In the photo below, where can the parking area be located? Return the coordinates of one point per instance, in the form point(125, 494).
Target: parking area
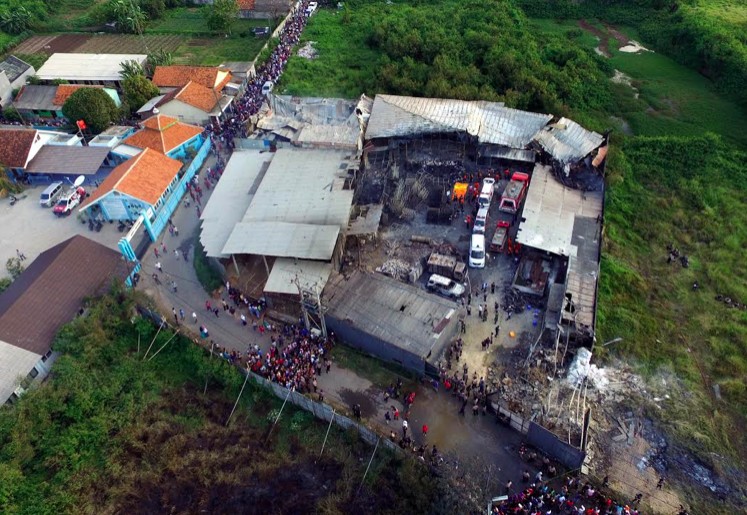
point(32, 229)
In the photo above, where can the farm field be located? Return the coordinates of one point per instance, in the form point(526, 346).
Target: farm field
point(185, 49)
point(181, 31)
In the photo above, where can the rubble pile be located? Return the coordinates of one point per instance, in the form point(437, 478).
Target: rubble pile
point(395, 268)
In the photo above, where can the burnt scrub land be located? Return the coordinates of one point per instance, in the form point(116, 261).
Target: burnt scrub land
point(112, 432)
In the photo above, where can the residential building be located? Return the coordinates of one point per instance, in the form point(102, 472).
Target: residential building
point(164, 134)
point(19, 146)
point(47, 295)
point(66, 163)
point(168, 78)
point(46, 101)
point(88, 69)
point(194, 103)
point(13, 75)
point(138, 184)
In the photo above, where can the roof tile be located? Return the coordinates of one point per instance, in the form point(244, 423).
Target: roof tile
point(145, 177)
point(198, 96)
point(15, 145)
point(51, 290)
point(65, 90)
point(176, 76)
point(163, 133)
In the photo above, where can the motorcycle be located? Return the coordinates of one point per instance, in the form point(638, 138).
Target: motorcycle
point(13, 200)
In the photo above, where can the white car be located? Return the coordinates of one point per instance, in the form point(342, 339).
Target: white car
point(311, 8)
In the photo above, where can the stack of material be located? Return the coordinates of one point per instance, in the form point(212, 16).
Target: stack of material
point(399, 269)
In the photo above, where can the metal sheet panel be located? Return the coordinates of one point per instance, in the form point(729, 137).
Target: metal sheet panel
point(281, 239)
point(285, 272)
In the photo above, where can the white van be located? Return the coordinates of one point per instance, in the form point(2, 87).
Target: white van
point(481, 220)
point(445, 286)
point(50, 194)
point(477, 251)
point(267, 87)
point(486, 193)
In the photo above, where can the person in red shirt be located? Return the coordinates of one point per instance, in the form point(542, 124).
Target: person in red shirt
point(425, 429)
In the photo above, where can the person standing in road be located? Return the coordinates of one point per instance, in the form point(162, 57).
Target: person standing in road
point(404, 429)
point(181, 313)
point(194, 317)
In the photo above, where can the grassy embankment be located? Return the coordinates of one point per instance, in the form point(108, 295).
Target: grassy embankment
point(680, 178)
point(112, 432)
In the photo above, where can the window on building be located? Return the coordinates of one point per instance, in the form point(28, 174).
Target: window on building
point(34, 372)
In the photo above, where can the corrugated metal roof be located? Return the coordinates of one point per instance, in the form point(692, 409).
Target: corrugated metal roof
point(513, 154)
point(403, 315)
point(490, 122)
point(303, 187)
point(36, 97)
point(550, 210)
point(231, 197)
point(13, 67)
point(286, 271)
point(15, 365)
point(105, 67)
point(282, 239)
point(68, 160)
point(583, 271)
point(567, 141)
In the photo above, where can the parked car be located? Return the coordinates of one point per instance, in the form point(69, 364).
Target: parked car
point(311, 8)
point(445, 286)
point(68, 201)
point(50, 194)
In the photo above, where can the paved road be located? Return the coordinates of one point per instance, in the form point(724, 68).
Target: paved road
point(470, 437)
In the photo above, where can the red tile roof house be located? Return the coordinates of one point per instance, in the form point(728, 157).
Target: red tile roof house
point(47, 295)
point(193, 94)
point(140, 183)
point(164, 134)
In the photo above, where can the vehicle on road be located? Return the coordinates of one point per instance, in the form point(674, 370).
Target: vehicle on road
point(498, 243)
point(447, 266)
point(68, 201)
point(486, 193)
point(311, 8)
point(514, 193)
point(481, 220)
point(477, 251)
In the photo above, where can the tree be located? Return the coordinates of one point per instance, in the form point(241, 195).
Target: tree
point(14, 267)
point(158, 58)
point(138, 90)
point(128, 15)
point(94, 106)
point(222, 14)
point(130, 69)
point(15, 20)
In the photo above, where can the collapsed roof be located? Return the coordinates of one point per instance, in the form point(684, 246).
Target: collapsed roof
point(489, 122)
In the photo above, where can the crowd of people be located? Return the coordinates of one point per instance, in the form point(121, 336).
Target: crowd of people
point(295, 359)
point(250, 102)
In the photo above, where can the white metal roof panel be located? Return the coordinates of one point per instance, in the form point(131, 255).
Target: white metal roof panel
point(281, 239)
point(303, 186)
point(286, 271)
point(567, 141)
point(550, 210)
point(231, 197)
point(15, 365)
point(104, 67)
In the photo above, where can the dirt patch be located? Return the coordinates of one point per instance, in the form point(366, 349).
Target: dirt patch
point(368, 407)
point(621, 38)
point(602, 37)
point(49, 45)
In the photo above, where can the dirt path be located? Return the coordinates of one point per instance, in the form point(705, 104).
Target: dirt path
point(603, 37)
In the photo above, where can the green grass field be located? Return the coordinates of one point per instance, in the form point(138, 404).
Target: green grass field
point(191, 20)
point(345, 61)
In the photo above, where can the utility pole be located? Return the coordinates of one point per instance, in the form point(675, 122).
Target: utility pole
point(311, 307)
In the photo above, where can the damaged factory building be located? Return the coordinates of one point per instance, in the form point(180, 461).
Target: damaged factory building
point(386, 221)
